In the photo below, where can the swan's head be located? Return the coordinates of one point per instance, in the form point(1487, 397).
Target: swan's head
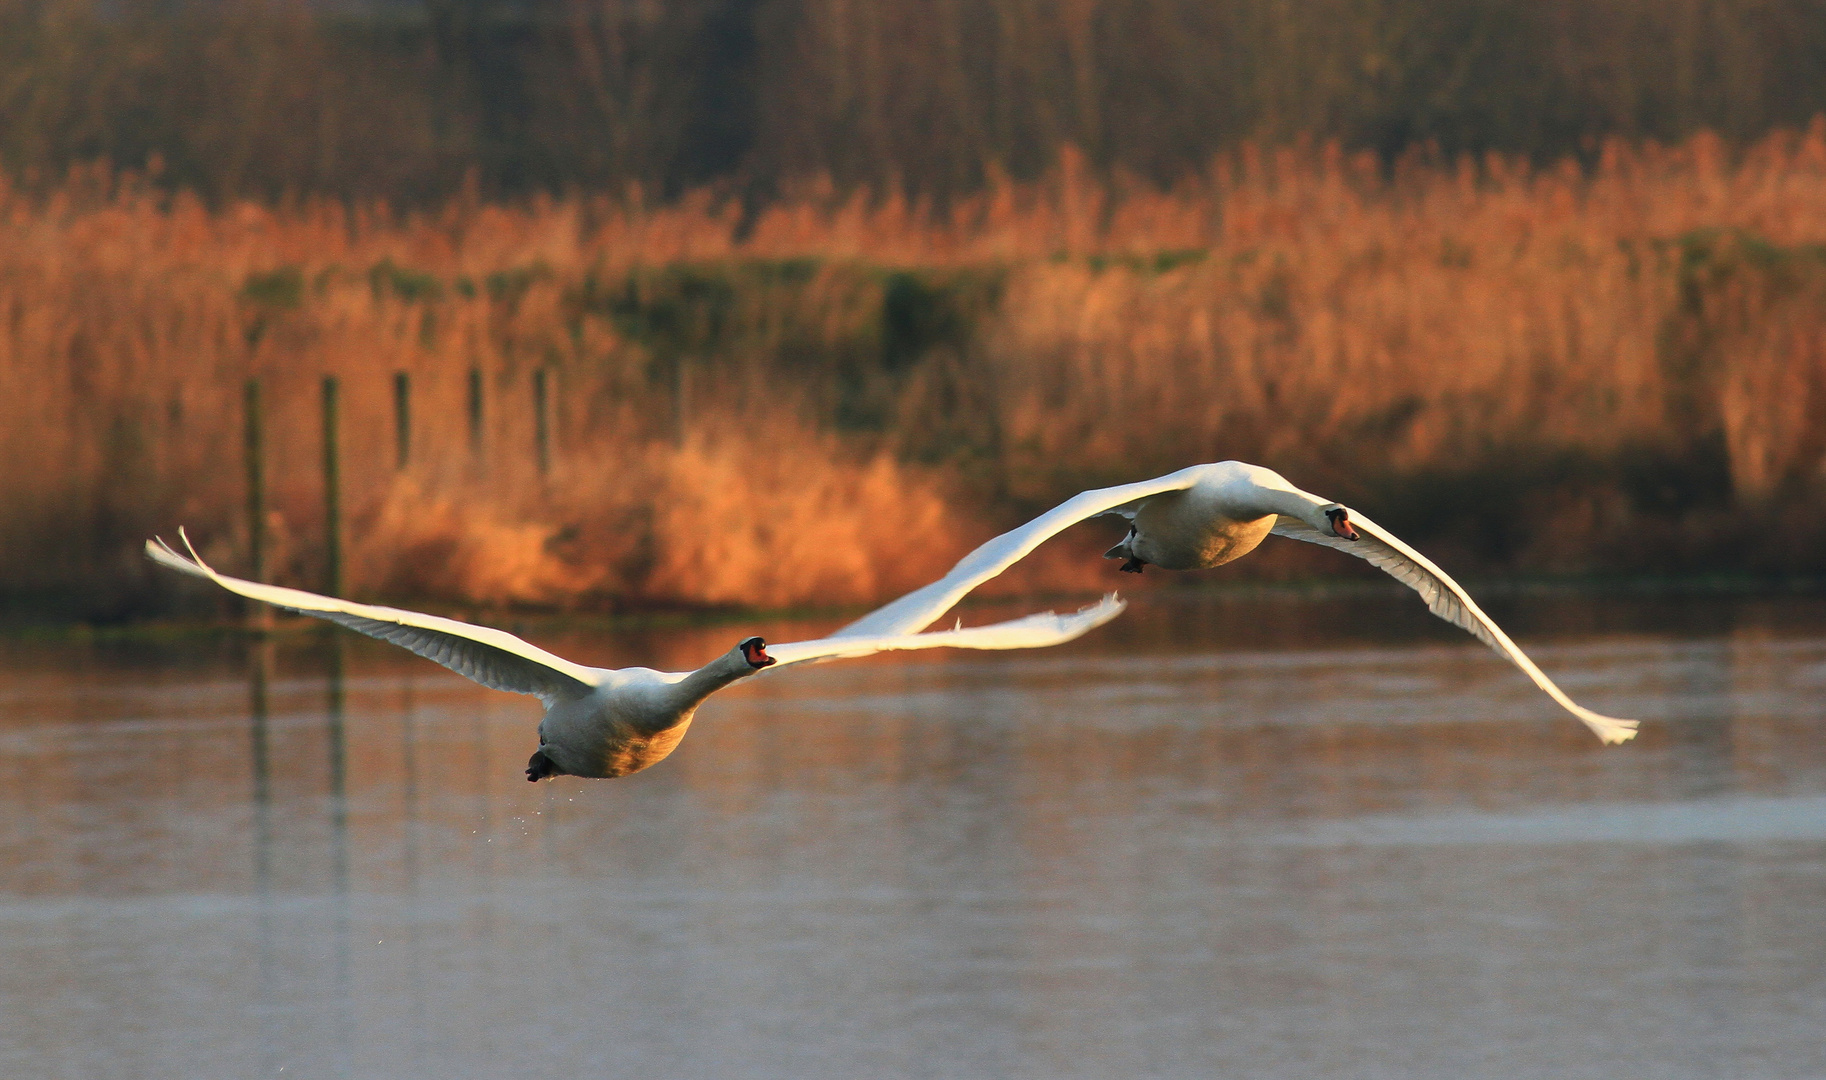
point(754, 650)
point(1339, 518)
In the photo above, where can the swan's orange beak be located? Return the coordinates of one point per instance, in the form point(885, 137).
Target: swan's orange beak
point(1340, 523)
point(754, 650)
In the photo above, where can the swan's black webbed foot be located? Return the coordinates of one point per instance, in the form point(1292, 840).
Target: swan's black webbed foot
point(1133, 566)
point(540, 767)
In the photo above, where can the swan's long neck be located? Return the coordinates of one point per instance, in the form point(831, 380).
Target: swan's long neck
point(689, 692)
point(1284, 498)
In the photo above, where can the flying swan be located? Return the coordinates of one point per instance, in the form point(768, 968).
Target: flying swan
point(603, 722)
point(1207, 515)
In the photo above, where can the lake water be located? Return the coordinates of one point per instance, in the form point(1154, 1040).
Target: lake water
point(1236, 836)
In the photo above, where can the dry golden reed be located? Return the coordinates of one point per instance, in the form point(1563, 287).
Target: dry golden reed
point(738, 412)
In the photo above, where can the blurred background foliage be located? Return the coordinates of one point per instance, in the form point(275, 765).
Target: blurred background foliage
point(778, 302)
point(268, 98)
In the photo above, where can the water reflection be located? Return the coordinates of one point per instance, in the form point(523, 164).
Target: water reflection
point(1214, 840)
point(259, 679)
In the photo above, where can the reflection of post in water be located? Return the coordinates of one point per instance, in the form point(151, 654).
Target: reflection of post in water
point(415, 970)
point(1714, 920)
point(484, 852)
point(338, 752)
point(339, 846)
point(259, 679)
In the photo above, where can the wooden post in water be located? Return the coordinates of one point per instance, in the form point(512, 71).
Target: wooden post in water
point(259, 616)
point(402, 419)
point(332, 490)
point(681, 391)
point(475, 414)
point(542, 421)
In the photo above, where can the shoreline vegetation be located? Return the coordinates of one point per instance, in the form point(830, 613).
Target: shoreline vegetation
point(411, 99)
point(611, 404)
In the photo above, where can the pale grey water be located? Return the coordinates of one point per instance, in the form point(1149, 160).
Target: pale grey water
point(1223, 837)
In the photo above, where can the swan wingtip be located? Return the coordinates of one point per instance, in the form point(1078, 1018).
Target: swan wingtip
point(1614, 732)
point(1103, 610)
point(190, 547)
point(161, 552)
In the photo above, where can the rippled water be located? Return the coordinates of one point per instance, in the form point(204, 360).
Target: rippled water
point(1241, 837)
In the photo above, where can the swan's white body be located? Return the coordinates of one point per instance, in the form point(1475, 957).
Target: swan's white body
point(605, 722)
point(1207, 515)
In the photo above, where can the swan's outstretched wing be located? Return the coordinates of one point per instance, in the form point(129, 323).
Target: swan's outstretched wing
point(494, 658)
point(921, 607)
point(1448, 600)
point(1032, 632)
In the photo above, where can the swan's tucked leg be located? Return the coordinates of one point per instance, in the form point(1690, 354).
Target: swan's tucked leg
point(1123, 551)
point(540, 767)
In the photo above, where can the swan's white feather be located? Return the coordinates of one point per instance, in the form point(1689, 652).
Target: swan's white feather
point(501, 661)
point(605, 723)
point(922, 607)
point(1444, 597)
point(1032, 632)
point(494, 658)
point(1448, 600)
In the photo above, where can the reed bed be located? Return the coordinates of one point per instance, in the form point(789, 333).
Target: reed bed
point(1613, 368)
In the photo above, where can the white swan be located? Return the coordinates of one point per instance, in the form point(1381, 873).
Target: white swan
point(604, 722)
point(1207, 515)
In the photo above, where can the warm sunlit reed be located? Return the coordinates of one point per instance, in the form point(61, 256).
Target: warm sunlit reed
point(826, 401)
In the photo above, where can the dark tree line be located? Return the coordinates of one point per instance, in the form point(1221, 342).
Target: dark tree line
point(403, 100)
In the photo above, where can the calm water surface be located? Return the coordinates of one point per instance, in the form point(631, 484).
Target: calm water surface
point(1222, 837)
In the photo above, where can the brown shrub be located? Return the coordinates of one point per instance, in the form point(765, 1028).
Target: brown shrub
point(828, 402)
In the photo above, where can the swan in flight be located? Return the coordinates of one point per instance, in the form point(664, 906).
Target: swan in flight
point(1207, 515)
point(602, 722)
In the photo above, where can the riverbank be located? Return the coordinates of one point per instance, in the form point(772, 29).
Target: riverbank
point(604, 405)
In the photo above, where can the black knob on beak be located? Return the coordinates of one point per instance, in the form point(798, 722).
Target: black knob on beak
point(754, 650)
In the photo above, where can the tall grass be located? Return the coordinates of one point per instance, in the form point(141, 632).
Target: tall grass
point(826, 400)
